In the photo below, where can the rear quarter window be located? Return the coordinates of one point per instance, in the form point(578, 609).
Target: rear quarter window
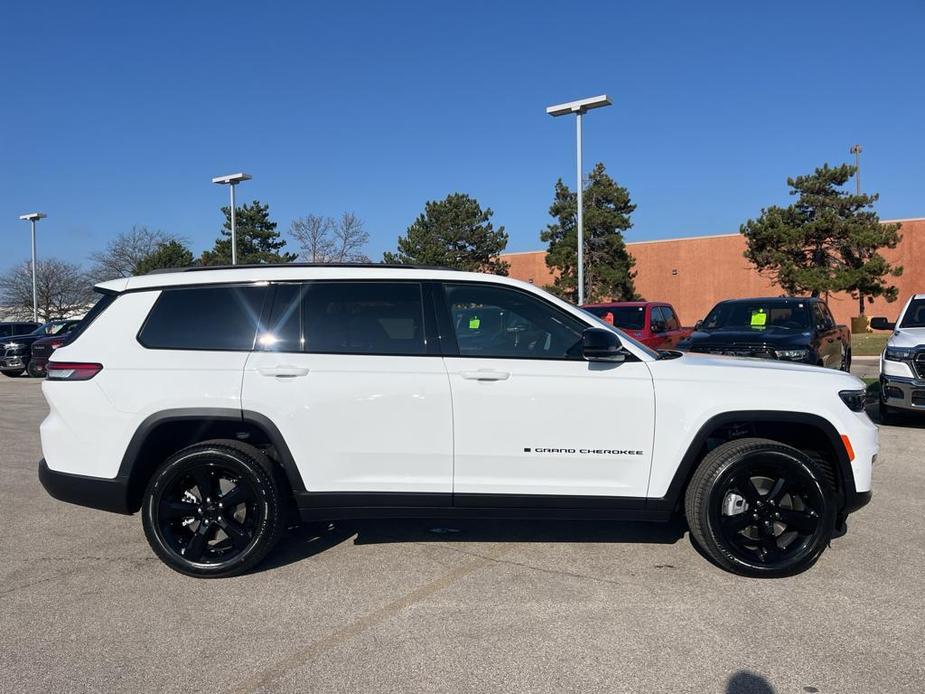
point(221, 318)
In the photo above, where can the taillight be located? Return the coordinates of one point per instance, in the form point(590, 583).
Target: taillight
point(56, 343)
point(71, 371)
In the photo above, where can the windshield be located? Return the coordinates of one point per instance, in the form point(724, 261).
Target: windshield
point(51, 328)
point(915, 315)
point(623, 336)
point(626, 317)
point(758, 316)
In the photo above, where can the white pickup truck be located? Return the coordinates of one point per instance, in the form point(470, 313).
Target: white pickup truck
point(902, 364)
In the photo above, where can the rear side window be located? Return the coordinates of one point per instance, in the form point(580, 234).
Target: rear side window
point(205, 318)
point(363, 318)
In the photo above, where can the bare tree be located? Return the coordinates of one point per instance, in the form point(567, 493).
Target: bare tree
point(63, 289)
point(328, 240)
point(125, 251)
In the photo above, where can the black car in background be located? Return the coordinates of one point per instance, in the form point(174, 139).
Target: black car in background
point(799, 329)
point(16, 350)
point(10, 328)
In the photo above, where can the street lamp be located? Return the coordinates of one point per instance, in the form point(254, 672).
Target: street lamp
point(856, 151)
point(33, 217)
point(231, 180)
point(578, 108)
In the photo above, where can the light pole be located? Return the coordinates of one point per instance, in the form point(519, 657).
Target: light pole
point(33, 217)
point(231, 180)
point(578, 108)
point(856, 151)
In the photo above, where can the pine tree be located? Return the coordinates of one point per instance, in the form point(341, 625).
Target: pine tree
point(608, 264)
point(257, 237)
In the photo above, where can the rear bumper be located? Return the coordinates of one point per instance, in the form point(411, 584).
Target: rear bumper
point(95, 492)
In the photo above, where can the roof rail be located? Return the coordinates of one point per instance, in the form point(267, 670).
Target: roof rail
point(268, 266)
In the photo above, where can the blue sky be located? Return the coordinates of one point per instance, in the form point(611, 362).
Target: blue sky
point(120, 113)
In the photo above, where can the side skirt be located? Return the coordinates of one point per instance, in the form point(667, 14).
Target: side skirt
point(316, 506)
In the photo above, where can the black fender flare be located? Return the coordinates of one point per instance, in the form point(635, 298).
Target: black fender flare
point(689, 462)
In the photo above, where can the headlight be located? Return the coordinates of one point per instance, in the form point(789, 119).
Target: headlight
point(898, 353)
point(792, 354)
point(854, 399)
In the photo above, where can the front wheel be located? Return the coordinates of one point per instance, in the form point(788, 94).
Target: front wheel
point(213, 510)
point(760, 508)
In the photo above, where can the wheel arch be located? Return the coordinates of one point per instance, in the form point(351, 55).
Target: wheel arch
point(804, 430)
point(163, 433)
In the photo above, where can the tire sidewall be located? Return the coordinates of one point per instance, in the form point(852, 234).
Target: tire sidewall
point(218, 456)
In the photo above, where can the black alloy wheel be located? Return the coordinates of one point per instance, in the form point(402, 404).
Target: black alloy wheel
point(761, 508)
point(213, 509)
point(35, 371)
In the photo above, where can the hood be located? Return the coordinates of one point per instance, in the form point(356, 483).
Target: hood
point(735, 366)
point(775, 336)
point(908, 337)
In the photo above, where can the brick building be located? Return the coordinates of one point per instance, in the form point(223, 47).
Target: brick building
point(694, 273)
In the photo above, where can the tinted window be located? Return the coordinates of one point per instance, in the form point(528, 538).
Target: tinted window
point(758, 315)
point(283, 329)
point(915, 315)
point(5, 331)
point(626, 317)
point(671, 318)
point(492, 321)
point(660, 316)
point(214, 318)
point(363, 318)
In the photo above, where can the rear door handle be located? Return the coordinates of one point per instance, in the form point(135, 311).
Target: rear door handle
point(283, 371)
point(485, 375)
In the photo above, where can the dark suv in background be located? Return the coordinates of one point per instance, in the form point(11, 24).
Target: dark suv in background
point(16, 350)
point(8, 329)
point(786, 328)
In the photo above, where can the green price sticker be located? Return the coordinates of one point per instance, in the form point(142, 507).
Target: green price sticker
point(474, 323)
point(759, 319)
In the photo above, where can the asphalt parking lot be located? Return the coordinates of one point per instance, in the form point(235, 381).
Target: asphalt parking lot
point(460, 607)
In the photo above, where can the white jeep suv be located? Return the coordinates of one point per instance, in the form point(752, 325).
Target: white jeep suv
point(216, 401)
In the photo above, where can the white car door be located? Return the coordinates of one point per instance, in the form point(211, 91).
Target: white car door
point(358, 390)
point(531, 417)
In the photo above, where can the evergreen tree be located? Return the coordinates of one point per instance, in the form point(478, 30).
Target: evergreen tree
point(608, 264)
point(172, 254)
point(828, 240)
point(258, 239)
point(456, 233)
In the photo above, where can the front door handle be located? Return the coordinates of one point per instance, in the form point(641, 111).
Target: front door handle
point(283, 371)
point(485, 375)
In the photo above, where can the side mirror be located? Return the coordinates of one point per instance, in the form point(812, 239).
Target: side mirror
point(881, 323)
point(658, 326)
point(598, 344)
point(698, 325)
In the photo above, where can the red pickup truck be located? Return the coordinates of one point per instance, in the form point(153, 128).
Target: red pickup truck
point(653, 323)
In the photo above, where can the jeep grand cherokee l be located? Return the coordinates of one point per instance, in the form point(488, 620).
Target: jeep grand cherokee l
point(216, 401)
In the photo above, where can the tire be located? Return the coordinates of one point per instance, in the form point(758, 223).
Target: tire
point(13, 374)
point(887, 414)
point(186, 514)
point(34, 371)
point(782, 508)
point(846, 361)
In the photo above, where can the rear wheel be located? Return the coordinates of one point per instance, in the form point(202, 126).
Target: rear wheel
point(213, 510)
point(760, 508)
point(35, 371)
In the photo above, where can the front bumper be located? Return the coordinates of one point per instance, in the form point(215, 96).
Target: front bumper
point(14, 363)
point(95, 492)
point(902, 392)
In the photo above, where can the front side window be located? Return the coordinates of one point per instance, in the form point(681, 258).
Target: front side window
point(671, 318)
point(625, 317)
point(493, 321)
point(205, 318)
point(363, 318)
point(915, 315)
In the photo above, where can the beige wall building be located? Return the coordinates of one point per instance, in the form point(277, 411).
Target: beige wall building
point(694, 273)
